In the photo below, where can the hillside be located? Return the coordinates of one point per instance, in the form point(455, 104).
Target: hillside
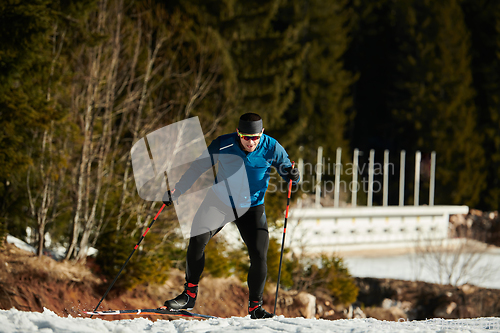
point(31, 284)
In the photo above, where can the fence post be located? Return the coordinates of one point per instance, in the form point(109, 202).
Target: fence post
point(433, 179)
point(354, 189)
point(370, 177)
point(418, 158)
point(338, 170)
point(386, 178)
point(319, 170)
point(402, 179)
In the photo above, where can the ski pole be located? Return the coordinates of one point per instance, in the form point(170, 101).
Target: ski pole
point(130, 256)
point(283, 241)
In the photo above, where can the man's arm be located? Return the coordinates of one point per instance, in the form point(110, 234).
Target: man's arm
point(282, 163)
point(207, 160)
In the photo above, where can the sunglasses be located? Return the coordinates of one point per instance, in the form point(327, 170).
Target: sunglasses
point(250, 137)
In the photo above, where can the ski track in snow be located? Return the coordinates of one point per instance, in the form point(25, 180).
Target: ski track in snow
point(15, 321)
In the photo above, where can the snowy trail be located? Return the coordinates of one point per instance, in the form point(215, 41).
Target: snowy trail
point(14, 321)
point(408, 267)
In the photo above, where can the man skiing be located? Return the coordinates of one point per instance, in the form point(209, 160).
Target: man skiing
point(257, 152)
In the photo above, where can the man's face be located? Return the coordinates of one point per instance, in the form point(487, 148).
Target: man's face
point(250, 141)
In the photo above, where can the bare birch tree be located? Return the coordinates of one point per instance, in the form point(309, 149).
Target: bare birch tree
point(42, 188)
point(454, 261)
point(138, 77)
point(90, 94)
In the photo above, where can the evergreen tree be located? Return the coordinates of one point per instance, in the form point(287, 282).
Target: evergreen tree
point(483, 21)
point(24, 60)
point(3, 232)
point(150, 263)
point(372, 55)
point(262, 38)
point(437, 80)
point(323, 101)
point(331, 276)
point(416, 91)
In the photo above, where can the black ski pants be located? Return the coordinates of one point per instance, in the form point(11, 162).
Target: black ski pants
point(252, 226)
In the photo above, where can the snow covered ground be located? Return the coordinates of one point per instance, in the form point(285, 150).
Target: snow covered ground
point(20, 244)
point(47, 322)
point(405, 267)
point(482, 270)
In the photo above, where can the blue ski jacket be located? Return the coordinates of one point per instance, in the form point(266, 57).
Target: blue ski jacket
point(226, 153)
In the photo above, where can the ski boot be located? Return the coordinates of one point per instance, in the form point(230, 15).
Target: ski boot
point(257, 312)
point(185, 301)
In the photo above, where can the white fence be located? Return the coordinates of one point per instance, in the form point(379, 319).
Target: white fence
point(318, 230)
point(355, 169)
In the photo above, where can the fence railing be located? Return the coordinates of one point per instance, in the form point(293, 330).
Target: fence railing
point(324, 229)
point(355, 169)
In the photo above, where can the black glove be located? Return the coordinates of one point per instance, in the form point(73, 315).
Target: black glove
point(292, 173)
point(169, 197)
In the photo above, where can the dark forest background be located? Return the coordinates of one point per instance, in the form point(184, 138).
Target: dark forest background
point(82, 81)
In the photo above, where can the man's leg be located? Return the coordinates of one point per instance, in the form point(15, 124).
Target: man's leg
point(253, 229)
point(195, 258)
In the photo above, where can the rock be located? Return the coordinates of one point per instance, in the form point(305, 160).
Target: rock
point(354, 312)
point(308, 303)
point(478, 225)
point(349, 312)
point(358, 313)
point(319, 311)
point(445, 310)
point(468, 289)
point(396, 308)
point(406, 306)
point(420, 300)
point(476, 212)
point(286, 300)
point(391, 314)
point(398, 313)
point(388, 303)
point(458, 219)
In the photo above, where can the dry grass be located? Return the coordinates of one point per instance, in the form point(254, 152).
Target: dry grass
point(19, 263)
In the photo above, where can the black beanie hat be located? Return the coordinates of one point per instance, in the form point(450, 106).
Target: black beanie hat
point(250, 123)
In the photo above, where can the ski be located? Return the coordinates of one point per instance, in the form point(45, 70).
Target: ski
point(178, 313)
